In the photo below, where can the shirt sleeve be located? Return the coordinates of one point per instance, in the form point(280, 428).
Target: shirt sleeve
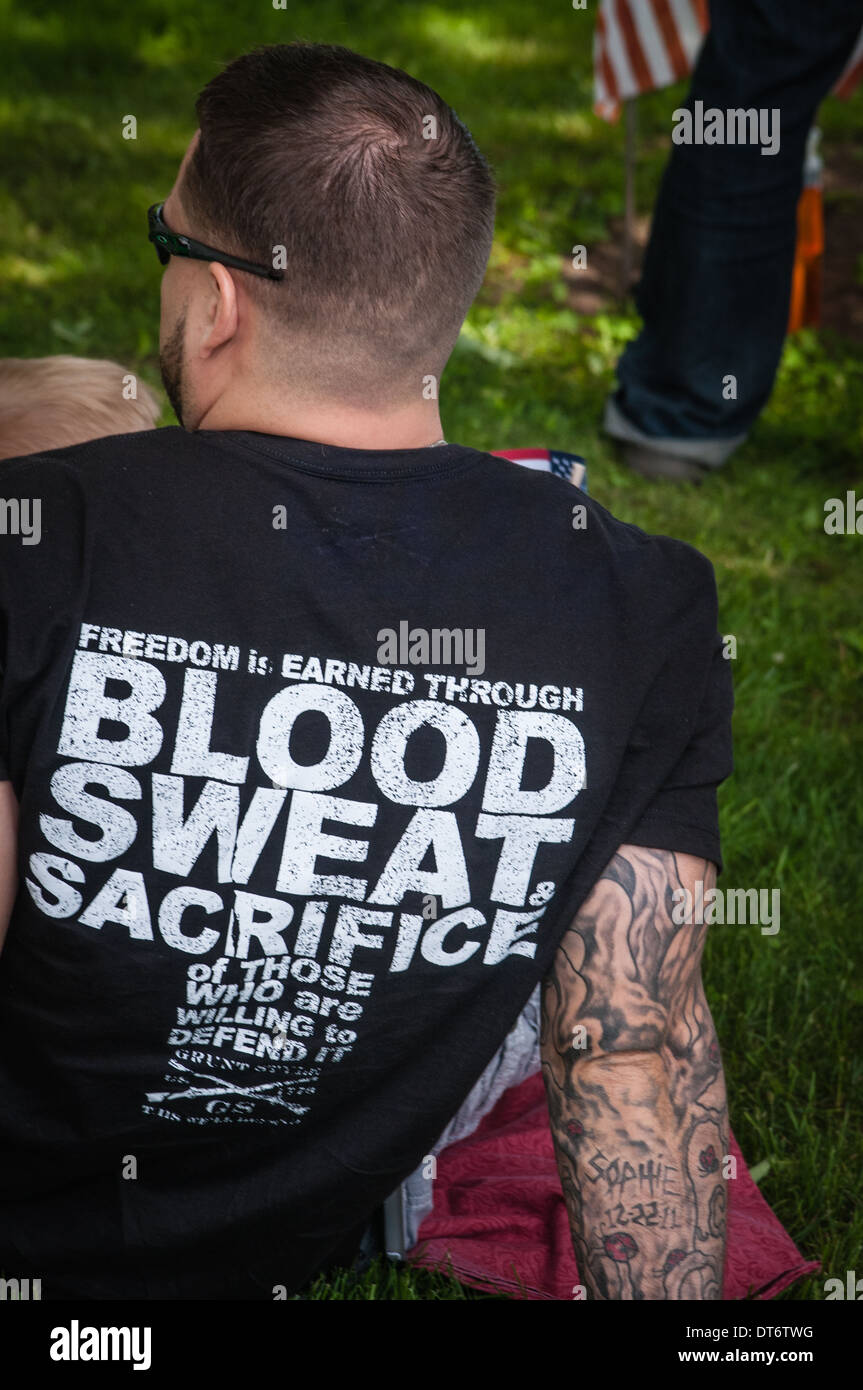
point(683, 815)
point(678, 744)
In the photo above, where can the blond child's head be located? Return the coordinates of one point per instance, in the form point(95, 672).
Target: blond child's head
point(53, 402)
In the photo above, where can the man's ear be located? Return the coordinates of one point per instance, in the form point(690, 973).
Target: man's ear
point(222, 314)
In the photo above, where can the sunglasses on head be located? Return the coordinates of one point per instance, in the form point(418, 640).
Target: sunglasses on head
point(168, 244)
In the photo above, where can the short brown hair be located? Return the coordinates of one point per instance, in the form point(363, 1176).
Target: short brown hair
point(375, 188)
point(54, 402)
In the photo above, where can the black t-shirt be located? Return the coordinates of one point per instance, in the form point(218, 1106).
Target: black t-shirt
point(318, 751)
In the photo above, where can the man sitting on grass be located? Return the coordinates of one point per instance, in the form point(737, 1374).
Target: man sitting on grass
point(332, 741)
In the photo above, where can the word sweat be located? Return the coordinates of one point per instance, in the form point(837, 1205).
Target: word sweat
point(294, 946)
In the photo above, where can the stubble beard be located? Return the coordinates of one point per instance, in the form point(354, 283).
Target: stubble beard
point(171, 367)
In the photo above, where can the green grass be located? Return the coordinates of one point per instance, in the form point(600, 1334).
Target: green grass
point(78, 275)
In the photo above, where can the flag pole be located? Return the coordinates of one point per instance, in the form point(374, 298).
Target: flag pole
point(629, 197)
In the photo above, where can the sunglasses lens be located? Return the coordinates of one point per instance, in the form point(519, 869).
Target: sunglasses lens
point(164, 256)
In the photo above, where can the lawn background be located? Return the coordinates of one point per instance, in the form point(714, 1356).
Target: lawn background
point(77, 275)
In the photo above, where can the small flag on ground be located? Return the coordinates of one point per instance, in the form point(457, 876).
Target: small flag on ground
point(572, 467)
point(641, 45)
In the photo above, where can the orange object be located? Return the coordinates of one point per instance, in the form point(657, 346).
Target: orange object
point(808, 256)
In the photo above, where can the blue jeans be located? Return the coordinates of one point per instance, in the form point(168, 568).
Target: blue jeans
point(715, 288)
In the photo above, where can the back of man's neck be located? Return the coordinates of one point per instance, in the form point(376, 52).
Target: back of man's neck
point(412, 427)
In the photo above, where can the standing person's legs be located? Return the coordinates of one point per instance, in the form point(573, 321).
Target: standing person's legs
point(715, 288)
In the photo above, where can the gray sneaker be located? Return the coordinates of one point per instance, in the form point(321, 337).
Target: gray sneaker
point(651, 463)
point(680, 460)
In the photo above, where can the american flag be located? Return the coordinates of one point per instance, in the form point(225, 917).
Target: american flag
point(639, 45)
point(852, 73)
point(572, 467)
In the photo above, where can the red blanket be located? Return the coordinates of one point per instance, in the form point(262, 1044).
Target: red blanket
point(499, 1221)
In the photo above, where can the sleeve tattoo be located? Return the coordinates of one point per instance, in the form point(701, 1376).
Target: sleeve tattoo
point(635, 1087)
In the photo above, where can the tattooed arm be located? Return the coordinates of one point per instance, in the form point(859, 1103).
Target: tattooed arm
point(636, 1092)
